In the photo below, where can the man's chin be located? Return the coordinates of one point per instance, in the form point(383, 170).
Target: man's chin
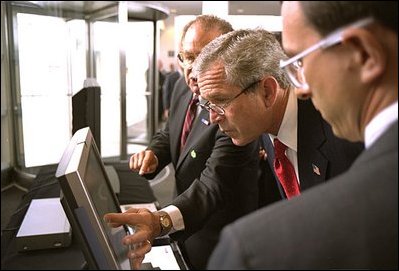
point(234, 137)
point(347, 134)
point(238, 142)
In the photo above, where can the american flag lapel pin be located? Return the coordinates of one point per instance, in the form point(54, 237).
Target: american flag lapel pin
point(204, 121)
point(316, 169)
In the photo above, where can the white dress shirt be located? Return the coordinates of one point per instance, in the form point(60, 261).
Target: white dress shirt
point(380, 123)
point(287, 133)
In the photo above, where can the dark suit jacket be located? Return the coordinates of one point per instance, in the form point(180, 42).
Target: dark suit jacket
point(167, 88)
point(348, 222)
point(216, 181)
point(321, 155)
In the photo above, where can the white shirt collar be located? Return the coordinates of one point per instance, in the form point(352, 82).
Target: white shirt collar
point(380, 123)
point(287, 133)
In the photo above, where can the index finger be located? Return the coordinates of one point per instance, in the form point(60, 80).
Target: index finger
point(135, 161)
point(124, 218)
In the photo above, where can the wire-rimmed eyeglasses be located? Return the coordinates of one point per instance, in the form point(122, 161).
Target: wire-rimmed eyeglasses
point(220, 109)
point(186, 61)
point(294, 65)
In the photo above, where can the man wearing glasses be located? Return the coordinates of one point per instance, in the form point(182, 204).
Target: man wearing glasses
point(248, 103)
point(344, 57)
point(216, 181)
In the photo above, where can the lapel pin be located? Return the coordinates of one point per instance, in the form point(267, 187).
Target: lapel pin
point(193, 154)
point(204, 121)
point(262, 154)
point(316, 169)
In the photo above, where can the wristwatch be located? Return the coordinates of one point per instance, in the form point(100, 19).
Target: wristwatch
point(165, 222)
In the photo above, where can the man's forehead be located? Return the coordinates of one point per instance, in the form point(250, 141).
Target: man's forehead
point(214, 73)
point(212, 80)
point(295, 29)
point(196, 37)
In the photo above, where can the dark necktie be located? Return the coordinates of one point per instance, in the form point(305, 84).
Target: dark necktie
point(285, 170)
point(188, 121)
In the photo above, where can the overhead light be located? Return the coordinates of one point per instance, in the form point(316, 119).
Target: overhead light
point(240, 10)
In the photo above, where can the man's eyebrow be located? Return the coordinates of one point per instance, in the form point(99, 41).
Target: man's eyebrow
point(216, 97)
point(210, 93)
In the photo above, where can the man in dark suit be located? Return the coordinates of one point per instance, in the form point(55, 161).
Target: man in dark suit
point(216, 181)
point(320, 155)
point(351, 221)
point(167, 90)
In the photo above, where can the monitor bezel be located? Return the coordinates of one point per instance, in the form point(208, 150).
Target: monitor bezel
point(79, 205)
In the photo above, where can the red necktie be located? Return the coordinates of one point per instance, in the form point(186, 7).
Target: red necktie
point(188, 121)
point(284, 170)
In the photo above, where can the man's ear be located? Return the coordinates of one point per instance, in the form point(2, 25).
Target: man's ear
point(369, 53)
point(269, 90)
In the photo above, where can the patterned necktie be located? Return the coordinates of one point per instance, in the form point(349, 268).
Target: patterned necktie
point(188, 121)
point(284, 170)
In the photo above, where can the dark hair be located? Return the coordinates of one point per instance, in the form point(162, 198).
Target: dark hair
point(208, 22)
point(327, 16)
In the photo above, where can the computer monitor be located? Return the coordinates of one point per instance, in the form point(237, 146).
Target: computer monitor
point(86, 111)
point(86, 196)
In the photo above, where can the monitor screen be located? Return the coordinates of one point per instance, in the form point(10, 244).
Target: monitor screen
point(86, 196)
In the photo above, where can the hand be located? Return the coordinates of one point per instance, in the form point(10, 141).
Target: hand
point(144, 162)
point(147, 227)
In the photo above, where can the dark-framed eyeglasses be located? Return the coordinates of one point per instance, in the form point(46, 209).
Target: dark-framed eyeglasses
point(294, 65)
point(220, 109)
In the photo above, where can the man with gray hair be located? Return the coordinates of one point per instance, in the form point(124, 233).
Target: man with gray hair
point(248, 96)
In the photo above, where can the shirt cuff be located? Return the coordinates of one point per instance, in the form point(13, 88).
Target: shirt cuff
point(175, 216)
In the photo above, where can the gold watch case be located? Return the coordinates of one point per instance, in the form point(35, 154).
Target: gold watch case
point(165, 222)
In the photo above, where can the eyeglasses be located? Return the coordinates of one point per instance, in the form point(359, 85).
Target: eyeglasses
point(220, 109)
point(294, 66)
point(186, 61)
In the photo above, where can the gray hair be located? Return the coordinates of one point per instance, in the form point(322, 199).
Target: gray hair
point(247, 56)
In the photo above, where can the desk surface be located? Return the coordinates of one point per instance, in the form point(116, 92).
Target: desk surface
point(134, 189)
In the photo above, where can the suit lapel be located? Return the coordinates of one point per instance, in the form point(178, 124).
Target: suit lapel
point(176, 125)
point(200, 125)
point(312, 163)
